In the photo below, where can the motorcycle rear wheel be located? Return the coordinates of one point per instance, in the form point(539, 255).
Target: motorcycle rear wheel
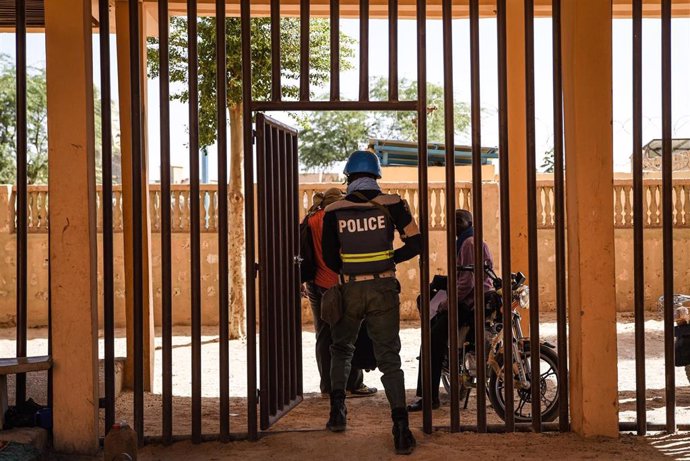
point(549, 390)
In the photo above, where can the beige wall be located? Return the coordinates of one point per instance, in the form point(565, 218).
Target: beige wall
point(407, 272)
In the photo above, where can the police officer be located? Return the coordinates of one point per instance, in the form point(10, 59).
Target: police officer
point(357, 243)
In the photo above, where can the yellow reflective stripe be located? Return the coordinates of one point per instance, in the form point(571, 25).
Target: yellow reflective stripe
point(366, 257)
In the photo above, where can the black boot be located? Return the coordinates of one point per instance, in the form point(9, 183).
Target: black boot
point(402, 437)
point(338, 418)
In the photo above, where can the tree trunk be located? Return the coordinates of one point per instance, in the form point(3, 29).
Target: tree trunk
point(236, 263)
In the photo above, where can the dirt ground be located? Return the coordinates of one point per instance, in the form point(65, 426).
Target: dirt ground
point(301, 434)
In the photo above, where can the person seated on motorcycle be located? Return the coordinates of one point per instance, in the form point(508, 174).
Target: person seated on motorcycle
point(464, 245)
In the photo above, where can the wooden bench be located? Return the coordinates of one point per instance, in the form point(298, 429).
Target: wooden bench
point(14, 366)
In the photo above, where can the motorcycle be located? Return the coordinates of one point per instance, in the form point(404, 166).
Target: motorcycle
point(681, 317)
point(494, 349)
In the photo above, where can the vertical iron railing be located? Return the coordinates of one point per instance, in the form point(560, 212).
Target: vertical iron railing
point(363, 50)
point(304, 50)
point(480, 349)
point(195, 223)
point(559, 197)
point(335, 50)
point(451, 250)
point(532, 216)
point(107, 199)
point(423, 180)
point(393, 50)
point(137, 224)
point(251, 266)
point(22, 208)
point(223, 289)
point(638, 221)
point(166, 222)
point(504, 184)
point(667, 213)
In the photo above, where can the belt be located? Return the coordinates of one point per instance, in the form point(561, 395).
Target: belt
point(363, 277)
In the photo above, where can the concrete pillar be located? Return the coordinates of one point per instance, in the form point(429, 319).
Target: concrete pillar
point(588, 113)
point(72, 189)
point(123, 78)
point(517, 141)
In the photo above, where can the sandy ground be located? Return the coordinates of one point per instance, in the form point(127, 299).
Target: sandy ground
point(368, 436)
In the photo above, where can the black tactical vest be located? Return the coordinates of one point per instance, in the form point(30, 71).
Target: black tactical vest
point(366, 235)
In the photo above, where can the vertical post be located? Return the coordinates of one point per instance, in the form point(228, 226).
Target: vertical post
point(22, 209)
point(423, 213)
point(588, 107)
point(638, 222)
point(478, 218)
point(363, 50)
point(451, 249)
point(503, 151)
point(125, 41)
point(166, 221)
point(304, 50)
point(194, 209)
point(533, 250)
point(275, 51)
point(137, 221)
point(517, 108)
point(667, 213)
point(223, 299)
point(559, 192)
point(335, 50)
point(250, 261)
point(393, 50)
point(107, 181)
point(73, 251)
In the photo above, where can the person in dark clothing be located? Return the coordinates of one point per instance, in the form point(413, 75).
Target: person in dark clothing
point(324, 279)
point(464, 245)
point(357, 242)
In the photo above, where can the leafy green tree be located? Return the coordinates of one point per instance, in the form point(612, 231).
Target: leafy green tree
point(37, 127)
point(403, 125)
point(319, 59)
point(329, 137)
point(548, 164)
point(37, 130)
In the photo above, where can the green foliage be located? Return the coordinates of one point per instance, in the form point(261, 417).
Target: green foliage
point(402, 126)
point(37, 130)
point(329, 137)
point(319, 60)
point(548, 165)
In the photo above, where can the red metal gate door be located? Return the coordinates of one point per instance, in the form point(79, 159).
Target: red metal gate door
point(280, 323)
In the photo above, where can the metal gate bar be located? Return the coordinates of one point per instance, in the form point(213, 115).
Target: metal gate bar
point(559, 197)
point(107, 200)
point(451, 250)
point(22, 205)
point(667, 213)
point(532, 216)
point(335, 51)
point(250, 256)
point(392, 50)
point(504, 192)
point(638, 222)
point(304, 50)
point(223, 299)
point(478, 218)
point(422, 182)
point(363, 50)
point(137, 225)
point(194, 212)
point(166, 221)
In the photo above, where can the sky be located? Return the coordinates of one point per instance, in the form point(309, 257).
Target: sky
point(378, 65)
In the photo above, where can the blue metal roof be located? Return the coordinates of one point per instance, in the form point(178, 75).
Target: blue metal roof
point(404, 153)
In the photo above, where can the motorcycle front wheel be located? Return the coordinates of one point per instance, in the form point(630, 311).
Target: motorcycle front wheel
point(548, 383)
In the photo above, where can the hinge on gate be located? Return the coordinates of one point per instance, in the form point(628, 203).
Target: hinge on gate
point(253, 136)
point(257, 268)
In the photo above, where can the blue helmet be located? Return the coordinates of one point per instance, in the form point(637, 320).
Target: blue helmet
point(363, 161)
